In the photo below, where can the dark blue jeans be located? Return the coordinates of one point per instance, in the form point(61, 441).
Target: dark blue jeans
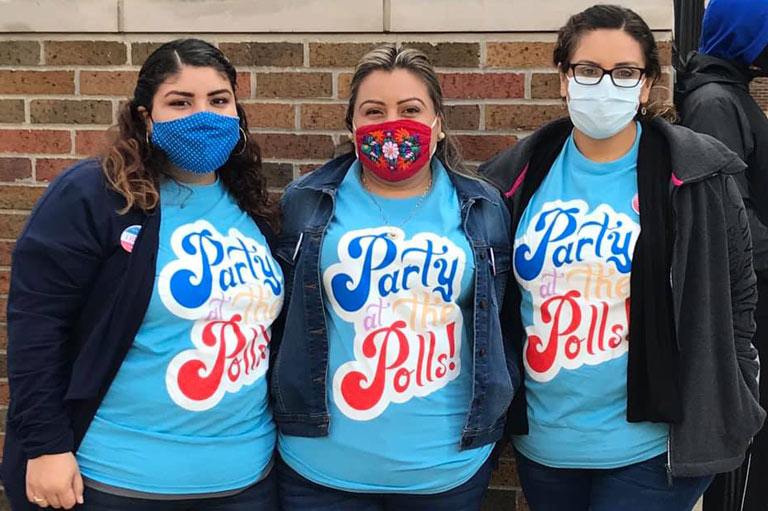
point(262, 496)
point(300, 494)
point(639, 487)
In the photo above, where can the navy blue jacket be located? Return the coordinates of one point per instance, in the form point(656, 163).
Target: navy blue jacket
point(298, 382)
point(76, 301)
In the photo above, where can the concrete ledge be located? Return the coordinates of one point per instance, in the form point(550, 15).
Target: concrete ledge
point(509, 15)
point(252, 16)
point(305, 16)
point(58, 16)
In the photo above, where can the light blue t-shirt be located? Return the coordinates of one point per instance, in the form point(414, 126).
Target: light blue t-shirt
point(400, 327)
point(188, 411)
point(572, 258)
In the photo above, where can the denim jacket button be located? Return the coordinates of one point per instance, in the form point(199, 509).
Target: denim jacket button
point(482, 256)
point(482, 303)
point(482, 352)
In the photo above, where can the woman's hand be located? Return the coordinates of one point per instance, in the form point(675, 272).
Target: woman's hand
point(54, 480)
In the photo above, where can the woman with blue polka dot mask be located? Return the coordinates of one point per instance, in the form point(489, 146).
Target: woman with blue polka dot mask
point(141, 311)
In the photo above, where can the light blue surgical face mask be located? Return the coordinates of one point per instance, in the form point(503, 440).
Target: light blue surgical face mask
point(199, 143)
point(603, 110)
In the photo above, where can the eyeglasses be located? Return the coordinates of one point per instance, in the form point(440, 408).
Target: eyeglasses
point(590, 74)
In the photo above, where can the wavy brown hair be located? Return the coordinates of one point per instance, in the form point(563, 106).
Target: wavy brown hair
point(135, 169)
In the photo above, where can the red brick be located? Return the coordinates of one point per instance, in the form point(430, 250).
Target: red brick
point(3, 346)
point(338, 54)
point(19, 196)
point(662, 91)
point(93, 142)
point(10, 226)
point(483, 85)
point(270, 115)
point(463, 117)
point(4, 390)
point(19, 53)
point(344, 81)
point(264, 54)
point(37, 82)
point(450, 54)
point(48, 168)
point(35, 141)
point(545, 86)
point(5, 281)
point(12, 110)
point(12, 169)
point(3, 307)
point(323, 117)
point(243, 90)
point(521, 117)
point(665, 53)
point(519, 54)
point(482, 147)
point(90, 53)
point(6, 250)
point(65, 111)
point(140, 52)
point(290, 146)
point(278, 174)
point(293, 85)
point(108, 83)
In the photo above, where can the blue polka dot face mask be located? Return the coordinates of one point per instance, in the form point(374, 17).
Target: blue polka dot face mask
point(199, 143)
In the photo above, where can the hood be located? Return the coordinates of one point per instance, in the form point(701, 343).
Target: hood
point(700, 69)
point(735, 30)
point(694, 156)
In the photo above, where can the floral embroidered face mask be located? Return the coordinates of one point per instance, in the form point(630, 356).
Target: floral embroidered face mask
point(394, 150)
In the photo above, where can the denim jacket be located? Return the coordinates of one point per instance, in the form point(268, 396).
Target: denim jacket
point(300, 371)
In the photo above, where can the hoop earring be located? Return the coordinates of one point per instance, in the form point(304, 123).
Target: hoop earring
point(643, 111)
point(245, 142)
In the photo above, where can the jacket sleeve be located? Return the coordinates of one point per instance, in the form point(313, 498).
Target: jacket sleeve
point(721, 118)
point(743, 285)
point(55, 259)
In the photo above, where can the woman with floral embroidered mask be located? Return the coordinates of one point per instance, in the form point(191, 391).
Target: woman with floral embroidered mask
point(391, 383)
point(629, 405)
point(139, 317)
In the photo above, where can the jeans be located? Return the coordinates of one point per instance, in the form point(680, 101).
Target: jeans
point(262, 496)
point(300, 494)
point(640, 487)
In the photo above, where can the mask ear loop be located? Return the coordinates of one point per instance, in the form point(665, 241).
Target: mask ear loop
point(146, 133)
point(245, 142)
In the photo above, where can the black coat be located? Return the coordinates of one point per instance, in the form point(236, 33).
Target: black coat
point(713, 98)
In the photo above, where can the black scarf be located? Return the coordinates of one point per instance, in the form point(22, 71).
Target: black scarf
point(653, 383)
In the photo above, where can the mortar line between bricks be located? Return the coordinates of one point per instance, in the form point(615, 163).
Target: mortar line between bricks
point(33, 161)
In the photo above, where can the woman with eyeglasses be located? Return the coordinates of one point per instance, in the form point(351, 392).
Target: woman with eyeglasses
point(632, 309)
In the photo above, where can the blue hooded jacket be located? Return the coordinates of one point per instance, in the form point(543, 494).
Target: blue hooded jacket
point(735, 29)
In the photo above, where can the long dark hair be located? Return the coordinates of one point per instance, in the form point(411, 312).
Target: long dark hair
point(135, 169)
point(618, 18)
point(388, 58)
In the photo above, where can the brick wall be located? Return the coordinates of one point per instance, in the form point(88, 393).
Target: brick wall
point(59, 93)
point(759, 89)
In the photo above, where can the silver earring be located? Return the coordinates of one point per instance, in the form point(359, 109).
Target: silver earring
point(643, 111)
